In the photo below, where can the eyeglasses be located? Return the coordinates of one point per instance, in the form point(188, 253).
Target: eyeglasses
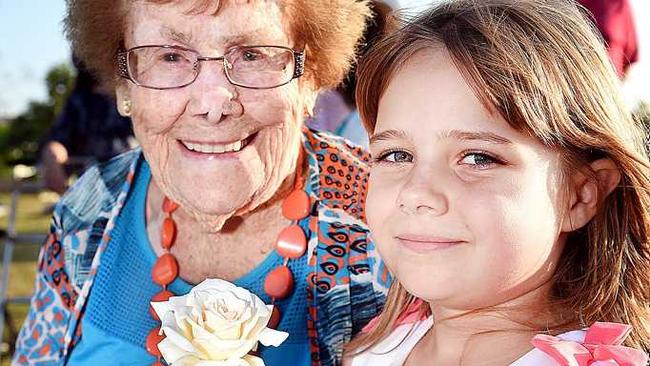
point(170, 67)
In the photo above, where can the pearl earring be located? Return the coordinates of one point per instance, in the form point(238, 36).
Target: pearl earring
point(126, 107)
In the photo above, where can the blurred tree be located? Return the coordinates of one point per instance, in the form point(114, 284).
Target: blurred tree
point(60, 82)
point(20, 138)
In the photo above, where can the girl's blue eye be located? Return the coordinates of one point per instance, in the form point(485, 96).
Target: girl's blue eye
point(479, 160)
point(397, 156)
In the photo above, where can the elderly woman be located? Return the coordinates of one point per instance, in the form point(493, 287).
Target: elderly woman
point(227, 184)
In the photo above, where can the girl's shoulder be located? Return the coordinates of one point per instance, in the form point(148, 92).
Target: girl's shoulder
point(599, 344)
point(395, 348)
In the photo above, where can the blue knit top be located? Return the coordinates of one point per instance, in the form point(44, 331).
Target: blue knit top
point(117, 319)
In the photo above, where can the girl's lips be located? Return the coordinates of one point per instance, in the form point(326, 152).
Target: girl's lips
point(420, 243)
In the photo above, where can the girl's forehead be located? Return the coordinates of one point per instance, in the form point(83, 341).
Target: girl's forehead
point(428, 90)
point(429, 95)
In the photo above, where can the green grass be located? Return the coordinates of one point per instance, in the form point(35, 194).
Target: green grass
point(31, 218)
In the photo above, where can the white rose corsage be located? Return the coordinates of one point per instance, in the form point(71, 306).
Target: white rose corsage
point(216, 324)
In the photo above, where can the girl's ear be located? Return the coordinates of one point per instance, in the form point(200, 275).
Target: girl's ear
point(588, 192)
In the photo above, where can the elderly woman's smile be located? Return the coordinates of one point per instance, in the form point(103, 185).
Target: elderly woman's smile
point(213, 150)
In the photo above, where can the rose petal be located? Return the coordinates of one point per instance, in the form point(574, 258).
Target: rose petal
point(194, 361)
point(217, 348)
point(253, 328)
point(179, 302)
point(178, 339)
point(215, 284)
point(169, 320)
point(171, 352)
point(224, 328)
point(232, 332)
point(161, 308)
point(253, 360)
point(263, 315)
point(272, 337)
point(235, 349)
point(188, 360)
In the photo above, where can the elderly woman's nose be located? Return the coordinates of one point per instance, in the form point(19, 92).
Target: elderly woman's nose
point(212, 95)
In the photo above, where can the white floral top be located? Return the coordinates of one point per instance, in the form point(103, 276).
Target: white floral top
point(394, 350)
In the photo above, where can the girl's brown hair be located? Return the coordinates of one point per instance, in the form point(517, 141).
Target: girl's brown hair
point(329, 29)
point(540, 65)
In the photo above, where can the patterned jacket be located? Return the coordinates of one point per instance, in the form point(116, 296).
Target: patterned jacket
point(346, 285)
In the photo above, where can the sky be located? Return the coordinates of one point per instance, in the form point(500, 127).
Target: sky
point(33, 42)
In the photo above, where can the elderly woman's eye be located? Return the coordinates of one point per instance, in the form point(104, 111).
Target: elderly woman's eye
point(251, 55)
point(396, 156)
point(173, 57)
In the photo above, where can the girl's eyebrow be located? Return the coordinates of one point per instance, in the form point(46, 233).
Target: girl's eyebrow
point(455, 134)
point(388, 135)
point(475, 135)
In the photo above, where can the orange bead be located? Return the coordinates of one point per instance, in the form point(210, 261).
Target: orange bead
point(157, 363)
point(296, 205)
point(152, 342)
point(163, 295)
point(169, 206)
point(168, 233)
point(165, 270)
point(279, 283)
point(275, 318)
point(291, 242)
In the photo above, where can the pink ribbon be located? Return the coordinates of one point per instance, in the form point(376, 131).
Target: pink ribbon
point(601, 347)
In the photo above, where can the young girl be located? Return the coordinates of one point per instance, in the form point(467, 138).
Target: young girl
point(509, 192)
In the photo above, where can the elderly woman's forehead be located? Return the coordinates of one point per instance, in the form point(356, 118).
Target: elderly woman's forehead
point(212, 6)
point(207, 21)
point(247, 11)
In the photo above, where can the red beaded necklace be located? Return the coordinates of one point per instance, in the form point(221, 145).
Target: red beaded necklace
point(290, 244)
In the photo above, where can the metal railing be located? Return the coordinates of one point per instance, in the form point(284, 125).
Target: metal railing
point(11, 239)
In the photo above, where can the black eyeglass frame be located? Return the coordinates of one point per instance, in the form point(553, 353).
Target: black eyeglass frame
point(123, 70)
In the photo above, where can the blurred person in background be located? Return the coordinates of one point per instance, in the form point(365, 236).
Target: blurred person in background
point(336, 110)
point(218, 92)
point(615, 21)
point(88, 130)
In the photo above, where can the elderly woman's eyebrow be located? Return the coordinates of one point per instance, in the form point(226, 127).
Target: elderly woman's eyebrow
point(176, 35)
point(388, 135)
point(256, 37)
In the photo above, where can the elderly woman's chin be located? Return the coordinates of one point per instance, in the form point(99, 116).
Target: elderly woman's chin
point(211, 196)
point(212, 186)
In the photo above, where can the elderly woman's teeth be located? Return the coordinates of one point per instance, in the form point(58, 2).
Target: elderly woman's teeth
point(215, 148)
